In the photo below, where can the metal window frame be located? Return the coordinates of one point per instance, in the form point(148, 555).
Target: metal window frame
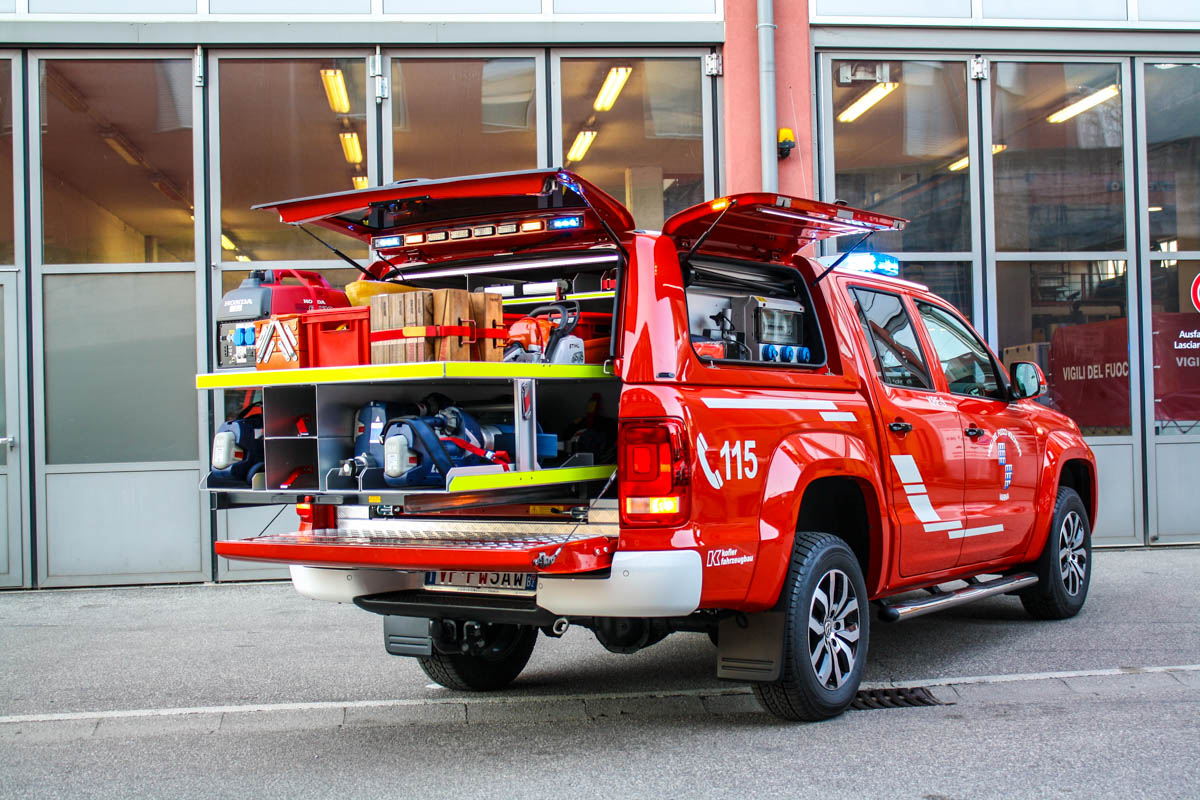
point(992, 257)
point(827, 169)
point(1147, 257)
point(38, 271)
point(390, 55)
point(15, 277)
point(707, 100)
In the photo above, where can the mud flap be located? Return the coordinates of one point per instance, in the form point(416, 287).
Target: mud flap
point(750, 647)
point(407, 636)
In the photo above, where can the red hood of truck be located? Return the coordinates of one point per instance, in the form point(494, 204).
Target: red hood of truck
point(421, 206)
point(769, 226)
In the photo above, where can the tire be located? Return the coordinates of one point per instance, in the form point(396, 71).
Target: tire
point(1064, 568)
point(505, 654)
point(824, 642)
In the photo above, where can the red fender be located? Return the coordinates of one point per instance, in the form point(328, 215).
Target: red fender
point(797, 462)
point(1061, 446)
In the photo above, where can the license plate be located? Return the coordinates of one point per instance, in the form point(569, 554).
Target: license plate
point(519, 583)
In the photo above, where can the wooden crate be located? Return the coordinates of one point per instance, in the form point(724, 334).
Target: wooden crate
point(387, 314)
point(451, 307)
point(487, 310)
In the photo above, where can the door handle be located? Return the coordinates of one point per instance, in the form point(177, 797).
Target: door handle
point(899, 427)
point(973, 431)
point(11, 441)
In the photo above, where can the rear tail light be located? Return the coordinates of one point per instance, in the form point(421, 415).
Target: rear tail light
point(652, 472)
point(316, 517)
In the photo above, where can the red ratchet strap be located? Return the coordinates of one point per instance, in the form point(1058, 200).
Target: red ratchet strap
point(294, 476)
point(495, 456)
point(468, 332)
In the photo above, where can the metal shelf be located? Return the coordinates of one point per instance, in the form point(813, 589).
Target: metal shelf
point(397, 373)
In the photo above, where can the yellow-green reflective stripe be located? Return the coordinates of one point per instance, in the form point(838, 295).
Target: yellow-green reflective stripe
point(398, 372)
point(541, 477)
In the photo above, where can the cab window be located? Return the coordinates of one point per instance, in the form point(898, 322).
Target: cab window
point(890, 335)
point(965, 360)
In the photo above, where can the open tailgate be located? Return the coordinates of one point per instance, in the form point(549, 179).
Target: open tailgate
point(769, 226)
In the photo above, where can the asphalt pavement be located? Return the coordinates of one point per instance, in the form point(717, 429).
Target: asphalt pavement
point(224, 690)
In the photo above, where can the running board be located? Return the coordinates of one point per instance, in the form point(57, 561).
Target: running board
point(894, 612)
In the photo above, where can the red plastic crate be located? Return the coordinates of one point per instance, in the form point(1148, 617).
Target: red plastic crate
point(338, 337)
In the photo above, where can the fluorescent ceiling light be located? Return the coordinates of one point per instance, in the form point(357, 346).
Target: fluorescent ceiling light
point(121, 146)
point(1080, 106)
point(241, 257)
point(227, 243)
point(359, 181)
point(351, 148)
point(1154, 209)
point(511, 267)
point(335, 90)
point(613, 84)
point(965, 160)
point(867, 101)
point(1167, 66)
point(579, 148)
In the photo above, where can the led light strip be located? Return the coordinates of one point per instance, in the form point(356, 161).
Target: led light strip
point(477, 232)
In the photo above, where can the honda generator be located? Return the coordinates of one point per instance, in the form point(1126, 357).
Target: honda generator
point(260, 295)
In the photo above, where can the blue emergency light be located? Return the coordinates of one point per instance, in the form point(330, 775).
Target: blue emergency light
point(878, 263)
point(561, 223)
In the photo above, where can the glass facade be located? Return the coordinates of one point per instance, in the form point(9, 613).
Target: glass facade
point(494, 125)
point(7, 233)
point(116, 172)
point(634, 127)
point(290, 127)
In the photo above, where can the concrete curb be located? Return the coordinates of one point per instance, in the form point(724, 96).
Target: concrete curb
point(1136, 682)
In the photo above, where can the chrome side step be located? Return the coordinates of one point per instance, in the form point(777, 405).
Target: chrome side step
point(906, 609)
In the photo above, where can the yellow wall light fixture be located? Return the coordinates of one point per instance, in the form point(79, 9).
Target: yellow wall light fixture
point(579, 148)
point(335, 90)
point(227, 243)
point(614, 82)
point(863, 104)
point(351, 148)
point(1082, 105)
point(359, 181)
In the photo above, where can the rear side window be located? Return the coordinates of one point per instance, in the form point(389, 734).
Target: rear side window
point(744, 312)
point(965, 360)
point(893, 343)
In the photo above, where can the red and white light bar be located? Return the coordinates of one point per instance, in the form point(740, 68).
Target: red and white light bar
point(393, 241)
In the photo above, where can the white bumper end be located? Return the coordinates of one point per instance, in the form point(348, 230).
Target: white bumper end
point(343, 585)
point(658, 583)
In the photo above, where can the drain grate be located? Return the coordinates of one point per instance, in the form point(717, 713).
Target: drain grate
point(894, 698)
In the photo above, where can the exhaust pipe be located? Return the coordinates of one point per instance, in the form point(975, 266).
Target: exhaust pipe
point(560, 626)
point(906, 609)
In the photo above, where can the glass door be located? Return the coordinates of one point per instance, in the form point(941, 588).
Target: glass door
point(1057, 167)
point(11, 545)
point(1169, 171)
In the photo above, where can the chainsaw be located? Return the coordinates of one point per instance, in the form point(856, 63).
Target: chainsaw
point(545, 336)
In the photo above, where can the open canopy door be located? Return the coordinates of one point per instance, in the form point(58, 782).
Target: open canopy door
point(473, 216)
point(769, 227)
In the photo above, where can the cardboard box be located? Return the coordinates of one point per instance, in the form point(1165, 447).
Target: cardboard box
point(1037, 352)
point(418, 312)
point(487, 310)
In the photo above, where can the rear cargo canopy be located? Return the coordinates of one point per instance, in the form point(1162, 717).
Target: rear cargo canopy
point(768, 227)
point(419, 205)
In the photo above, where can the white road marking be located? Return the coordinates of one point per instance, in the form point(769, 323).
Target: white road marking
point(542, 698)
point(770, 404)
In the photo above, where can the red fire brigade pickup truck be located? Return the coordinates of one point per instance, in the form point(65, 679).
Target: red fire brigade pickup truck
point(765, 446)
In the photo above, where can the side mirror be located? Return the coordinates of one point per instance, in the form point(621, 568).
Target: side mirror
point(1028, 380)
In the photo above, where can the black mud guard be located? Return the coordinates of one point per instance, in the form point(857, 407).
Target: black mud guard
point(750, 646)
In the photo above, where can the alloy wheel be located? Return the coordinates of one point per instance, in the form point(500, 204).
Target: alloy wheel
point(1072, 555)
point(833, 629)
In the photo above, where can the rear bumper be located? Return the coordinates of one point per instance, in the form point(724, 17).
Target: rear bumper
point(657, 583)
